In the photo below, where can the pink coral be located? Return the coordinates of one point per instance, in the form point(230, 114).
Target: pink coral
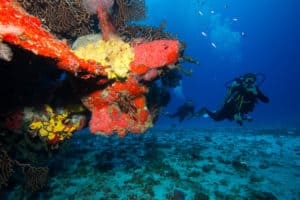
point(91, 5)
point(151, 75)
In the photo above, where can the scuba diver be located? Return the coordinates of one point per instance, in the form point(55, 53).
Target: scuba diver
point(243, 94)
point(185, 110)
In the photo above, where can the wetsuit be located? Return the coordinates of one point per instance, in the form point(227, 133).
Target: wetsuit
point(239, 102)
point(187, 109)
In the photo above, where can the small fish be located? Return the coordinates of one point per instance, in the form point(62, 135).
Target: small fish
point(5, 52)
point(203, 34)
point(200, 13)
point(243, 34)
point(212, 12)
point(235, 19)
point(214, 45)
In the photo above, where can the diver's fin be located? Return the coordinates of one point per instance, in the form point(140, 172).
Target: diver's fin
point(205, 115)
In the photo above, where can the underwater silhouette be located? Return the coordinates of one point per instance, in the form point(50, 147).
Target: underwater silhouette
point(186, 110)
point(242, 96)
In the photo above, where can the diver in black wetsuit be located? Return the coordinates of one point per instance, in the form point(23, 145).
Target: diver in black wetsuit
point(241, 98)
point(185, 110)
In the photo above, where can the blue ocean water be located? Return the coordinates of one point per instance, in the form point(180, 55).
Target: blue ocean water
point(250, 36)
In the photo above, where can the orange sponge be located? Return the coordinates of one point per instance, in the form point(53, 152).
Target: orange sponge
point(157, 53)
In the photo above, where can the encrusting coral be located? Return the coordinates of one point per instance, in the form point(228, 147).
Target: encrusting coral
point(109, 77)
point(54, 125)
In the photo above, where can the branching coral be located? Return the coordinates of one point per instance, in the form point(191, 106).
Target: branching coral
point(65, 18)
point(148, 33)
point(36, 177)
point(6, 168)
point(128, 10)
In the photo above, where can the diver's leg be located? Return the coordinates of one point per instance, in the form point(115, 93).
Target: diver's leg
point(238, 118)
point(217, 116)
point(181, 118)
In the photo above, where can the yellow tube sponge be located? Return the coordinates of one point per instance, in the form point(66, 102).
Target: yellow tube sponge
point(115, 54)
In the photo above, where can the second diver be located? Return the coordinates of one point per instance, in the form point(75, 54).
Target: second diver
point(241, 98)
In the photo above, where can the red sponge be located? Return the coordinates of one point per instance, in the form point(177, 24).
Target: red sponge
point(157, 53)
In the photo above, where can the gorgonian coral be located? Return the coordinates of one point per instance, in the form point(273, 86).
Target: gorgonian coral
point(6, 168)
point(65, 18)
point(126, 11)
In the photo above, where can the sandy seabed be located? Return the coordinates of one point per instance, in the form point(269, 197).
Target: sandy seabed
point(172, 164)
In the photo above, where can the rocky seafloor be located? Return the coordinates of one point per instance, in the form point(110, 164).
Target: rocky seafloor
point(190, 164)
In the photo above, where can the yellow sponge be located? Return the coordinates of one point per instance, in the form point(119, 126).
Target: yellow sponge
point(115, 54)
point(55, 124)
